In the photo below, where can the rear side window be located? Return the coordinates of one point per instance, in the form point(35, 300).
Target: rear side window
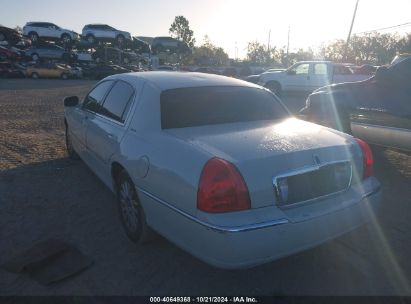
point(118, 101)
point(320, 69)
point(94, 99)
point(199, 106)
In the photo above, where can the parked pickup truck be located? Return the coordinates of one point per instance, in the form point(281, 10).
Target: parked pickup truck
point(307, 76)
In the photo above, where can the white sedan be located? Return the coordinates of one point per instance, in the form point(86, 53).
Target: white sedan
point(219, 166)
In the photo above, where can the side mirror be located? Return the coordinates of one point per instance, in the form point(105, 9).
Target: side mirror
point(71, 101)
point(291, 72)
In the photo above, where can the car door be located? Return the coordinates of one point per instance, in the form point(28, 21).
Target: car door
point(42, 70)
point(296, 78)
point(393, 118)
point(79, 117)
point(319, 76)
point(48, 29)
point(110, 32)
point(107, 128)
point(382, 114)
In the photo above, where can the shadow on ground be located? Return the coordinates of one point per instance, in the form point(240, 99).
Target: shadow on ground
point(63, 199)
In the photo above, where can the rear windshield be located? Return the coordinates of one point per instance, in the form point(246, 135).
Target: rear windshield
point(199, 106)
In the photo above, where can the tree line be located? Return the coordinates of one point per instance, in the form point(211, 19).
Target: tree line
point(369, 48)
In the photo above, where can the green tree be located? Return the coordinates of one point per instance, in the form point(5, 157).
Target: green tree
point(180, 29)
point(209, 54)
point(258, 53)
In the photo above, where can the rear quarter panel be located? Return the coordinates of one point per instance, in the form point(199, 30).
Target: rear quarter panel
point(174, 165)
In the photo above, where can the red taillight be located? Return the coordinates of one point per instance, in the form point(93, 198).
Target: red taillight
point(222, 188)
point(368, 160)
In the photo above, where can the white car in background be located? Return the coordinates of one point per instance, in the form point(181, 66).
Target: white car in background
point(104, 32)
point(219, 166)
point(307, 76)
point(47, 30)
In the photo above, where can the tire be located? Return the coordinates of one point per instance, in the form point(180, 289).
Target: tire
point(35, 57)
point(64, 76)
point(274, 87)
point(66, 39)
point(120, 39)
point(2, 37)
point(132, 215)
point(69, 146)
point(33, 36)
point(35, 75)
point(90, 38)
point(126, 60)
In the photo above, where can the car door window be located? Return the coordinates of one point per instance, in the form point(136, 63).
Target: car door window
point(94, 99)
point(118, 101)
point(301, 69)
point(320, 69)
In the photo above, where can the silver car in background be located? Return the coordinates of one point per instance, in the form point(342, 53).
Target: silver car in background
point(219, 167)
point(104, 32)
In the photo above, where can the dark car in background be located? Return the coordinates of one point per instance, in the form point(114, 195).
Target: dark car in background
point(11, 53)
point(10, 35)
point(49, 51)
point(377, 110)
point(169, 44)
point(9, 70)
point(101, 71)
point(139, 46)
point(105, 54)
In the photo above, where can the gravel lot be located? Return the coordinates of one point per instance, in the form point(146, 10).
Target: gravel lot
point(44, 195)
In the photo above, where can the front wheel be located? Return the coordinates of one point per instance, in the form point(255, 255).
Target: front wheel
point(35, 76)
point(274, 87)
point(64, 76)
point(131, 212)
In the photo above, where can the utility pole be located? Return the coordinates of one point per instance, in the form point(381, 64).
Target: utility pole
point(269, 39)
point(349, 33)
point(288, 45)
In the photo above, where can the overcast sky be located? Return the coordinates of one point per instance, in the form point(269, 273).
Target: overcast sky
point(227, 22)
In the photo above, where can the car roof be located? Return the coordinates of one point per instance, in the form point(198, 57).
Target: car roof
point(174, 80)
point(93, 24)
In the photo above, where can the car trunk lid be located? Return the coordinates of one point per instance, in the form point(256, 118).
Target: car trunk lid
point(263, 151)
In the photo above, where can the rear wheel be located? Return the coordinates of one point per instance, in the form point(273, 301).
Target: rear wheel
point(64, 76)
point(35, 75)
point(131, 212)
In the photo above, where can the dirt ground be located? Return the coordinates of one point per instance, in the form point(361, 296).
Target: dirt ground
point(43, 195)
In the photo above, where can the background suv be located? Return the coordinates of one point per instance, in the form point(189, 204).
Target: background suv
point(94, 32)
point(46, 30)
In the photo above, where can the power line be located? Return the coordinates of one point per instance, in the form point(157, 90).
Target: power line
point(386, 28)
